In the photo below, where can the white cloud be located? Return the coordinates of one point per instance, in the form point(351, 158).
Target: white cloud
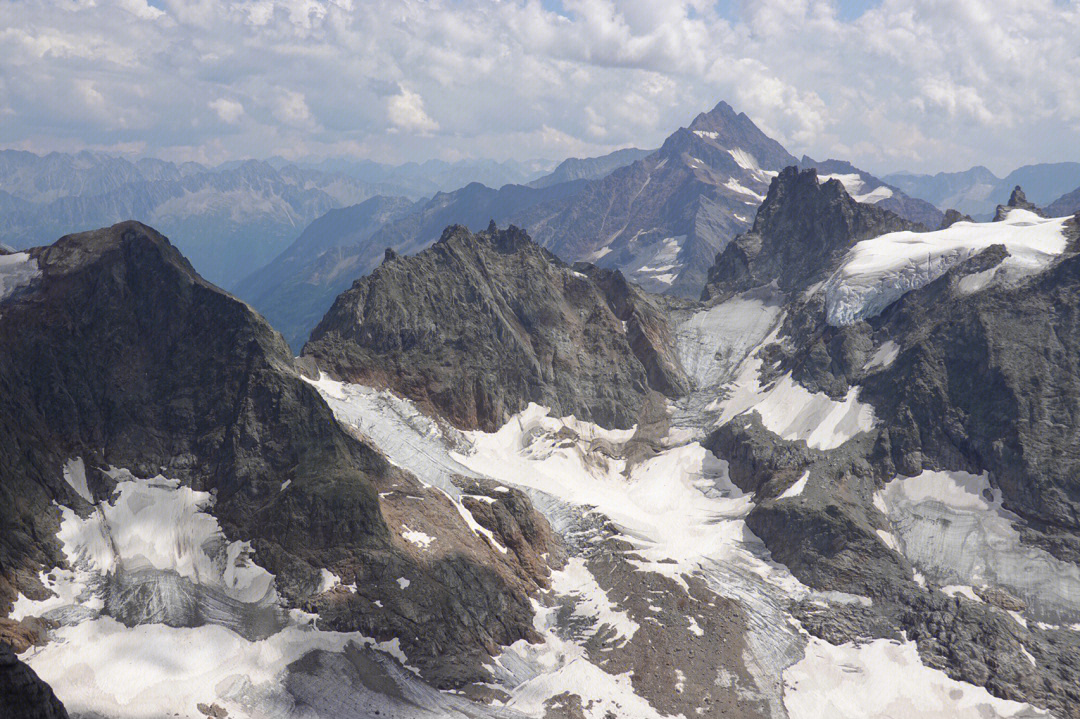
point(230, 111)
point(406, 112)
point(292, 109)
point(922, 84)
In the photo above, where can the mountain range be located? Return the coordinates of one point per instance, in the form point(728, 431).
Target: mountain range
point(230, 219)
point(494, 484)
point(978, 191)
point(660, 219)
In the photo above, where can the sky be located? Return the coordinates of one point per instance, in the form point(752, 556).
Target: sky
point(919, 85)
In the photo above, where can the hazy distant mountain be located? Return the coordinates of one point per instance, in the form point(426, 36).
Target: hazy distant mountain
point(298, 287)
point(661, 219)
point(424, 179)
point(1042, 183)
point(1067, 204)
point(228, 221)
point(978, 191)
point(590, 168)
point(283, 291)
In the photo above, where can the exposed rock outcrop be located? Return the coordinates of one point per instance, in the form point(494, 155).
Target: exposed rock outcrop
point(801, 231)
point(1017, 201)
point(22, 694)
point(119, 353)
point(480, 325)
point(952, 217)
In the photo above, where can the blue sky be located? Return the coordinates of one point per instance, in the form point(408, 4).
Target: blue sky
point(924, 85)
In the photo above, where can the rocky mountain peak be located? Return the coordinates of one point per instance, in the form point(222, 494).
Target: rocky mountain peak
point(722, 114)
point(1017, 201)
point(952, 217)
point(801, 230)
point(481, 324)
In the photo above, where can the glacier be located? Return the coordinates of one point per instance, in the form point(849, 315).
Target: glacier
point(877, 272)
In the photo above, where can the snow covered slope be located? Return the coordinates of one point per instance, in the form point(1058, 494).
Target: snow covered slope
point(877, 272)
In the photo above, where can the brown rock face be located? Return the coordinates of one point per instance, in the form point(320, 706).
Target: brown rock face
point(480, 325)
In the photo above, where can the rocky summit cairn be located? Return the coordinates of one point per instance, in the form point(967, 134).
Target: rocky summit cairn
point(1017, 201)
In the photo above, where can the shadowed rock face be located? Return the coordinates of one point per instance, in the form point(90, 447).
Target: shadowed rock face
point(22, 694)
point(480, 325)
point(800, 233)
point(121, 354)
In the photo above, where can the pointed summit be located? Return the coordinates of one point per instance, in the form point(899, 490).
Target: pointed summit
point(722, 113)
point(1017, 201)
point(801, 230)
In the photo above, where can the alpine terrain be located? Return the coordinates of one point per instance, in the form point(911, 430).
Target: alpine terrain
point(841, 481)
point(659, 217)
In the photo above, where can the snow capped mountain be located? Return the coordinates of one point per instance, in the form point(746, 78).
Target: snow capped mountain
point(659, 217)
point(496, 485)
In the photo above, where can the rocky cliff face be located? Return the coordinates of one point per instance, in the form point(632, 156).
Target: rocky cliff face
point(1017, 200)
point(22, 694)
point(480, 325)
point(800, 233)
point(117, 353)
point(864, 187)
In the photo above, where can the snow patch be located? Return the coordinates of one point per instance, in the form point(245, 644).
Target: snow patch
point(576, 580)
point(793, 412)
point(744, 159)
point(797, 488)
point(884, 356)
point(735, 185)
point(953, 528)
point(418, 538)
point(678, 508)
point(75, 476)
point(159, 524)
point(102, 668)
point(884, 680)
point(327, 581)
point(16, 271)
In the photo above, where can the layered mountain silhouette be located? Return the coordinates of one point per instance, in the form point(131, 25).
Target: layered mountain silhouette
point(978, 191)
point(660, 219)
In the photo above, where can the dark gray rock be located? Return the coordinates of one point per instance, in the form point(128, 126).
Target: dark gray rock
point(801, 232)
point(910, 208)
point(952, 217)
point(478, 326)
point(22, 693)
point(121, 354)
